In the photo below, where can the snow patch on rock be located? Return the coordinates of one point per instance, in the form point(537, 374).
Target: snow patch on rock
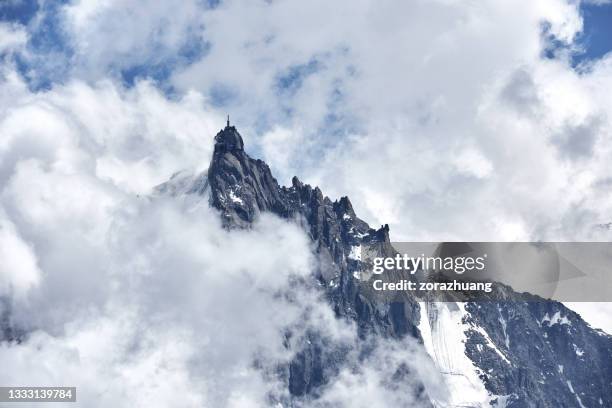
point(443, 331)
point(555, 319)
point(235, 198)
point(355, 253)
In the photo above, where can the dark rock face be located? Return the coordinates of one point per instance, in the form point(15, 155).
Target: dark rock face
point(240, 186)
point(8, 331)
point(556, 358)
point(528, 352)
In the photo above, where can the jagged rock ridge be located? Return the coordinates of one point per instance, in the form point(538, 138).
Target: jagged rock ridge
point(524, 353)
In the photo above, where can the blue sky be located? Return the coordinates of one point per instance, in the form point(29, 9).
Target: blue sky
point(597, 36)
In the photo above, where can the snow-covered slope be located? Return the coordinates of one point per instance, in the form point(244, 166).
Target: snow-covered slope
point(443, 330)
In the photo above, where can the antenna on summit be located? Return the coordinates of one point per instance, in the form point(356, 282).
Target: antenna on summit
point(228, 121)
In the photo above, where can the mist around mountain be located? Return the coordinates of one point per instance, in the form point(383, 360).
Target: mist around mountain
point(525, 352)
point(238, 287)
point(224, 289)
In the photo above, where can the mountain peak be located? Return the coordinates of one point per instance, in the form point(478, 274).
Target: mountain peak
point(228, 139)
point(506, 342)
point(241, 187)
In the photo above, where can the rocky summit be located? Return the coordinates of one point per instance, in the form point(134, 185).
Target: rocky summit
point(525, 352)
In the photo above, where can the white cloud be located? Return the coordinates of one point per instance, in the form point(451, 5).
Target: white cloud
point(12, 37)
point(19, 270)
point(596, 314)
point(69, 158)
point(113, 35)
point(135, 138)
point(472, 163)
point(442, 105)
point(386, 378)
point(447, 107)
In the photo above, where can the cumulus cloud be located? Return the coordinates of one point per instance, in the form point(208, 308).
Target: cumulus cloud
point(386, 378)
point(158, 312)
point(456, 100)
point(19, 271)
point(441, 118)
point(12, 37)
point(135, 138)
point(122, 35)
